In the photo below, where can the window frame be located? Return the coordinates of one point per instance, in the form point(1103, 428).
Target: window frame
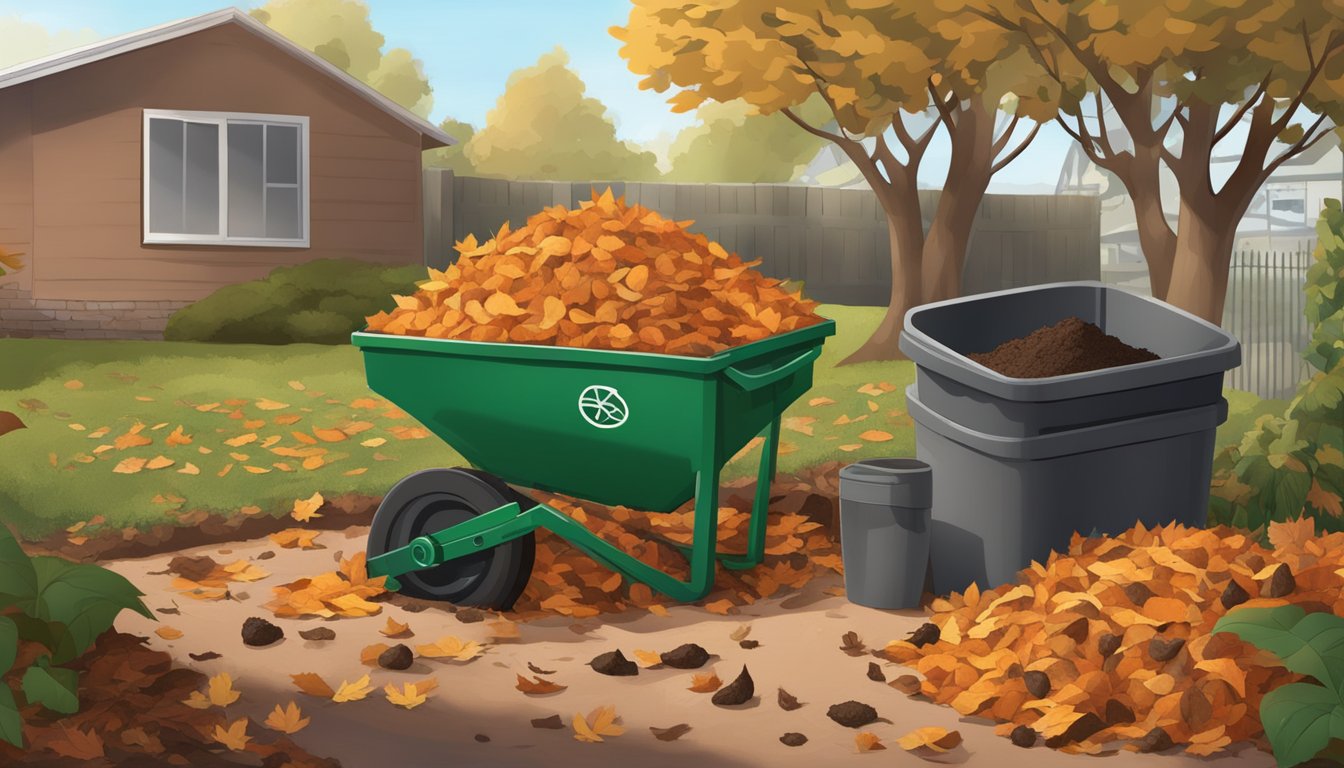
point(222, 120)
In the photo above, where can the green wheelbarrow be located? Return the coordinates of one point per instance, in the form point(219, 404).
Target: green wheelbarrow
point(648, 431)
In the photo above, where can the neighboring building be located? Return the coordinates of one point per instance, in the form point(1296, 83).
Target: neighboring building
point(141, 173)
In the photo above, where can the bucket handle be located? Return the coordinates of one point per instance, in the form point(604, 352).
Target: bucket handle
point(754, 381)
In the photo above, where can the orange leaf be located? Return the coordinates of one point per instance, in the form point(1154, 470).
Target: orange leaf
point(867, 742)
point(705, 683)
point(537, 685)
point(937, 739)
point(313, 685)
point(875, 436)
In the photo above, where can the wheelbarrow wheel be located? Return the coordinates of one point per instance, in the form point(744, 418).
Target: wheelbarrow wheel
point(435, 499)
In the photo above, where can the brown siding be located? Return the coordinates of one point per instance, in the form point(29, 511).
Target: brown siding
point(16, 178)
point(86, 148)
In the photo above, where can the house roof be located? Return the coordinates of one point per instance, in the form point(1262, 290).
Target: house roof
point(115, 46)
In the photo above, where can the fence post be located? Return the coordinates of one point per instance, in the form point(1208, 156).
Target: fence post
point(436, 191)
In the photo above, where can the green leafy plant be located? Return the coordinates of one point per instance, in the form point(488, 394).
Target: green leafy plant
point(62, 607)
point(318, 302)
point(1300, 719)
point(1293, 464)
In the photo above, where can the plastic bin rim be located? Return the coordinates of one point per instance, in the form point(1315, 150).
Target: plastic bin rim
point(937, 349)
point(895, 470)
point(609, 358)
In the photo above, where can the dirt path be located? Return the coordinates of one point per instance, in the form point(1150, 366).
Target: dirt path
point(799, 638)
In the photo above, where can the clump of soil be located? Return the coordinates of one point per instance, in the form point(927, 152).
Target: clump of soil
point(1024, 736)
point(852, 714)
point(1070, 346)
point(737, 692)
point(397, 657)
point(258, 632)
point(688, 656)
point(793, 739)
point(614, 663)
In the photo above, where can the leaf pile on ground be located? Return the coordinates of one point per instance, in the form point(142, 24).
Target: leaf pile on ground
point(799, 545)
point(133, 711)
point(201, 578)
point(602, 276)
point(344, 592)
point(1111, 646)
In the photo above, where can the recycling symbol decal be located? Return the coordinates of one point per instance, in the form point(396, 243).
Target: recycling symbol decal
point(603, 407)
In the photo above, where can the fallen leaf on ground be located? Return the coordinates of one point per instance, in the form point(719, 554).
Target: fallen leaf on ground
point(875, 436)
point(851, 644)
point(937, 739)
point(408, 696)
point(394, 628)
point(368, 655)
point(287, 720)
point(295, 538)
point(221, 690)
point(352, 691)
point(78, 744)
point(312, 684)
point(867, 742)
point(600, 722)
point(648, 659)
point(670, 734)
point(168, 633)
point(306, 509)
point(740, 633)
point(449, 647)
point(705, 683)
point(235, 736)
point(9, 422)
point(537, 686)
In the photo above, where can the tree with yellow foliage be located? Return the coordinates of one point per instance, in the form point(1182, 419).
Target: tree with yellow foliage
point(1183, 77)
point(879, 66)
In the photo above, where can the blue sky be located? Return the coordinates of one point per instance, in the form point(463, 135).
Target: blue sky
point(469, 47)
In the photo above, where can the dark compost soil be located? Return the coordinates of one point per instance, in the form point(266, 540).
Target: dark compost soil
point(1069, 346)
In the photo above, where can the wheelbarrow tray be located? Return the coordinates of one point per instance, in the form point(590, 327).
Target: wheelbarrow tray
point(614, 427)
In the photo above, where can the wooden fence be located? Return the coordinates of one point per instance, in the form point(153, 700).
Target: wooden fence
point(834, 240)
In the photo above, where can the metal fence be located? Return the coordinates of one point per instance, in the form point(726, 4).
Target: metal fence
point(834, 240)
point(1264, 310)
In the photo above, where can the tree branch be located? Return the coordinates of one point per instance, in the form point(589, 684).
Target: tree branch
point(1297, 148)
point(1007, 134)
point(944, 109)
point(1085, 143)
point(1241, 110)
point(1105, 140)
point(1331, 45)
point(993, 169)
point(815, 131)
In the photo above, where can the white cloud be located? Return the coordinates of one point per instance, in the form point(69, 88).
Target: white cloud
point(22, 40)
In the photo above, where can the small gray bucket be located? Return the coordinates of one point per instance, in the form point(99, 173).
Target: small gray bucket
point(885, 510)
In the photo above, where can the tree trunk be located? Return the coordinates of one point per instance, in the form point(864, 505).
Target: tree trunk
point(1202, 257)
point(1156, 239)
point(968, 172)
point(907, 245)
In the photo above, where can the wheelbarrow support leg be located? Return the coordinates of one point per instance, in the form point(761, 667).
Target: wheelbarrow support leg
point(760, 505)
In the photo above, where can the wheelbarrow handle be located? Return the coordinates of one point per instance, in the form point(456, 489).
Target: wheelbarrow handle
point(754, 381)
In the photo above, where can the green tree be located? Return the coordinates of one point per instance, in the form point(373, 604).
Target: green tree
point(340, 32)
point(453, 158)
point(544, 127)
point(1149, 84)
point(734, 143)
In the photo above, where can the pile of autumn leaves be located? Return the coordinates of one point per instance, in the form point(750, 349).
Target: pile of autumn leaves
point(603, 276)
point(1098, 648)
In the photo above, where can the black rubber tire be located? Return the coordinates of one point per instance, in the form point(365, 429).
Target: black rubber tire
point(435, 499)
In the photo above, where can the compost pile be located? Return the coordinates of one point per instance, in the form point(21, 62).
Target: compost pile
point(1070, 346)
point(799, 546)
point(604, 276)
point(1100, 647)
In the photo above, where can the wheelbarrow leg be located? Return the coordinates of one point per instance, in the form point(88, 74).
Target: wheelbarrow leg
point(760, 505)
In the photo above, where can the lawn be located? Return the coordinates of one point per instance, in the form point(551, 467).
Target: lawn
point(269, 424)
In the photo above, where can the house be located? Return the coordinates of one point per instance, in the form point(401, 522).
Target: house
point(141, 173)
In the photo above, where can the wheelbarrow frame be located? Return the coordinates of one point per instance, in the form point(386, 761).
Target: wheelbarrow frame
point(510, 521)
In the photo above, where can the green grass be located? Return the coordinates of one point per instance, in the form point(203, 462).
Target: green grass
point(52, 478)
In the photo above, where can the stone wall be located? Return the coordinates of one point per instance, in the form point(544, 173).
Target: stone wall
point(22, 316)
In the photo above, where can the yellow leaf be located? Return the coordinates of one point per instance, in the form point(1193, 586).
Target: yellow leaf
point(450, 647)
point(241, 440)
point(160, 462)
point(287, 720)
point(395, 629)
point(197, 700)
point(408, 697)
point(503, 629)
point(129, 466)
point(168, 633)
point(189, 469)
point(256, 470)
point(270, 405)
point(306, 509)
point(330, 435)
point(235, 737)
point(867, 742)
point(221, 690)
point(937, 739)
point(312, 684)
point(352, 691)
point(818, 401)
point(600, 722)
point(297, 386)
point(295, 538)
point(374, 442)
point(848, 447)
point(875, 436)
point(648, 659)
point(705, 683)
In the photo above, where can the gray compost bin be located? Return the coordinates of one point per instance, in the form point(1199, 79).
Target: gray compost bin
point(1000, 502)
point(937, 337)
point(884, 531)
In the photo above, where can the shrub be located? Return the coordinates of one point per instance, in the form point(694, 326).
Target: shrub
point(321, 302)
point(62, 607)
point(1292, 465)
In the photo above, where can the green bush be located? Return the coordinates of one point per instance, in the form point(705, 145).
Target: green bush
point(320, 302)
point(61, 606)
point(1292, 465)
